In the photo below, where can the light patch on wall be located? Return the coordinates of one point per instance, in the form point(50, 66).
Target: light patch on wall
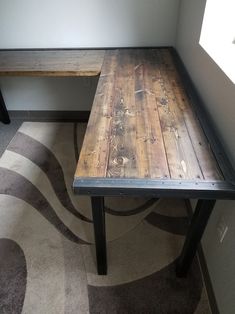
point(217, 34)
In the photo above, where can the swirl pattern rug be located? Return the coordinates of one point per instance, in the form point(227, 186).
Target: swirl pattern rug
point(47, 257)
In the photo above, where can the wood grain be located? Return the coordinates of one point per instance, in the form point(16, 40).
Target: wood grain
point(122, 150)
point(149, 133)
point(95, 150)
point(186, 162)
point(204, 154)
point(51, 63)
point(142, 125)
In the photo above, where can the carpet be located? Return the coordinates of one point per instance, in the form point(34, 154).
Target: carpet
point(47, 257)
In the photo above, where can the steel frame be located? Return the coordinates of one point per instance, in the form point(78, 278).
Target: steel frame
point(154, 188)
point(206, 191)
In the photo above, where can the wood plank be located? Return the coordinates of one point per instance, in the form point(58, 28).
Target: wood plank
point(94, 155)
point(185, 159)
point(122, 153)
point(141, 149)
point(168, 124)
point(205, 156)
point(150, 140)
point(51, 63)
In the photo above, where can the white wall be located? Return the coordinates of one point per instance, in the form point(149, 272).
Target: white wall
point(87, 23)
point(77, 23)
point(218, 93)
point(43, 93)
point(215, 87)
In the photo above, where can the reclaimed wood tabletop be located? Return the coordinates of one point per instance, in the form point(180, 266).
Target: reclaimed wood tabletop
point(51, 62)
point(142, 124)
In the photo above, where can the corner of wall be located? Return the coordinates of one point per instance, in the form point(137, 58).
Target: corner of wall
point(177, 23)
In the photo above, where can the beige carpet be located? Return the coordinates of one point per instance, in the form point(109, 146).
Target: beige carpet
point(47, 261)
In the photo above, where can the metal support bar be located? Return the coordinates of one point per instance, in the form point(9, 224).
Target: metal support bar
point(100, 236)
point(196, 229)
point(157, 188)
point(4, 117)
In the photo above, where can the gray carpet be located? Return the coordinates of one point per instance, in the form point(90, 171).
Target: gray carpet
point(7, 131)
point(47, 258)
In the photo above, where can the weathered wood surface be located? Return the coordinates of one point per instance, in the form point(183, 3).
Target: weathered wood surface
point(51, 63)
point(142, 124)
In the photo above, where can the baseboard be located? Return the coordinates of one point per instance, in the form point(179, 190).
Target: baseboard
point(86, 48)
point(204, 269)
point(50, 115)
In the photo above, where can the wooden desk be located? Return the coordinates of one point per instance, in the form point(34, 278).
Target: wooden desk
point(148, 133)
point(144, 137)
point(53, 63)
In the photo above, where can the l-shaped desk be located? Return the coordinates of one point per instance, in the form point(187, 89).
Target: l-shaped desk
point(48, 63)
point(148, 134)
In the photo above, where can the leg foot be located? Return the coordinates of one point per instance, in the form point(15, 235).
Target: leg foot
point(100, 236)
point(197, 226)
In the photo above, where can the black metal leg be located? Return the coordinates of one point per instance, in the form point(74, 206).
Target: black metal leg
point(197, 226)
point(4, 117)
point(100, 236)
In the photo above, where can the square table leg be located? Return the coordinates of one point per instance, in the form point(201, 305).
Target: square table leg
point(196, 229)
point(100, 235)
point(4, 117)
